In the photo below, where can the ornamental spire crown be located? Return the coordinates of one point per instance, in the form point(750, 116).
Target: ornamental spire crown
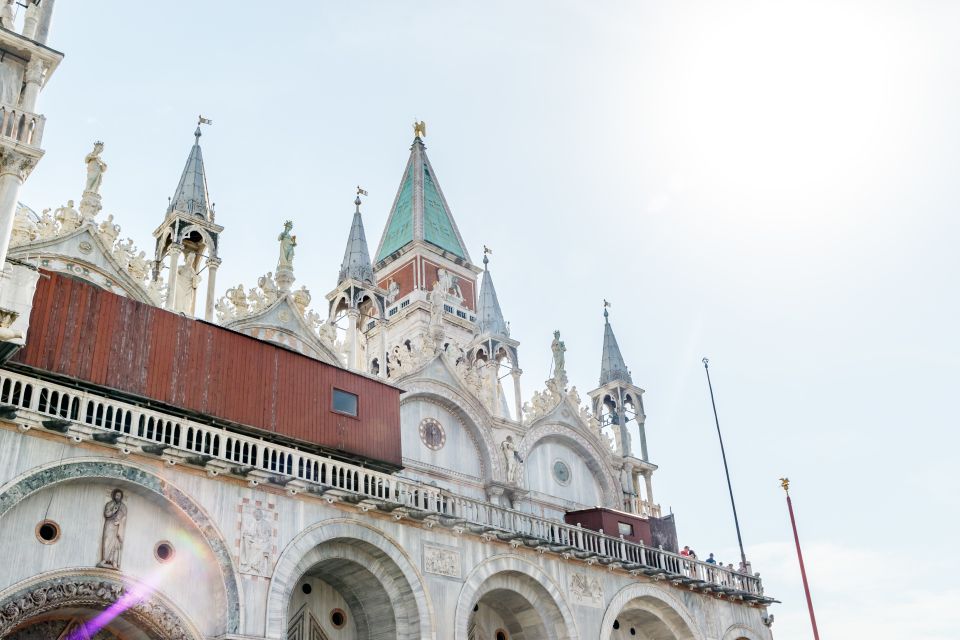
point(612, 366)
point(489, 316)
point(356, 257)
point(191, 197)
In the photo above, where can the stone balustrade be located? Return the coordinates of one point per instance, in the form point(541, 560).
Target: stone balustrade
point(84, 415)
point(21, 126)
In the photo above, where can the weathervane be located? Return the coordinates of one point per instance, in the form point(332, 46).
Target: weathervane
point(201, 120)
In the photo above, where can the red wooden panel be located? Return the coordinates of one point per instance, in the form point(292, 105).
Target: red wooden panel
point(80, 331)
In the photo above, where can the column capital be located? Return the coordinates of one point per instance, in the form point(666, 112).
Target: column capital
point(16, 163)
point(213, 263)
point(175, 247)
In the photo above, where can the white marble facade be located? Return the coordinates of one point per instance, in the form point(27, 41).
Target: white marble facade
point(387, 578)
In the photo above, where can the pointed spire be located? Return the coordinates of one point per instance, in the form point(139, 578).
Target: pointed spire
point(489, 317)
point(191, 196)
point(612, 366)
point(356, 257)
point(420, 212)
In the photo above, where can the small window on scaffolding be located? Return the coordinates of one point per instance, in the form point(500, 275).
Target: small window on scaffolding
point(345, 402)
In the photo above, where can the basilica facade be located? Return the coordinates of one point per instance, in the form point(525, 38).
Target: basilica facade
point(183, 460)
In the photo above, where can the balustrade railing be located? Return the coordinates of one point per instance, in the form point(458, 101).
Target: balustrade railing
point(21, 126)
point(323, 474)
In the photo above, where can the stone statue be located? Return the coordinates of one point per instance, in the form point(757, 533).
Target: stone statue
point(187, 283)
point(256, 542)
point(24, 228)
point(114, 523)
point(47, 226)
point(392, 291)
point(6, 15)
point(301, 299)
point(157, 291)
point(96, 167)
point(123, 252)
point(328, 334)
point(449, 282)
point(512, 458)
point(139, 266)
point(269, 288)
point(70, 219)
point(237, 297)
point(287, 244)
point(436, 309)
point(108, 230)
point(559, 360)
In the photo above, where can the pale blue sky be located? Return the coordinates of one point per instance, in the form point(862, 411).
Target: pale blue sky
point(770, 184)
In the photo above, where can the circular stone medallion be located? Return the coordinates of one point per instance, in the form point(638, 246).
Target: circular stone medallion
point(561, 472)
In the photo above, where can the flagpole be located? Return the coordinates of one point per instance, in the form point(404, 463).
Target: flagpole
point(726, 469)
point(785, 483)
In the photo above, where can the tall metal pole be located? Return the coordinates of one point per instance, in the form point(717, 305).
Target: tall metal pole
point(785, 483)
point(726, 469)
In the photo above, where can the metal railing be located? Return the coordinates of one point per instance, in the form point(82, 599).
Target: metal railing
point(61, 407)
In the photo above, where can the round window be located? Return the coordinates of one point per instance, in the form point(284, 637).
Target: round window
point(432, 435)
point(338, 618)
point(561, 472)
point(164, 552)
point(48, 532)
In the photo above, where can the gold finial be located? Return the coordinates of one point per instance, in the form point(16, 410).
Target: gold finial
point(419, 129)
point(785, 483)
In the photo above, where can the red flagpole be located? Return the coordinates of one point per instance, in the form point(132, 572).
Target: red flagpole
point(785, 483)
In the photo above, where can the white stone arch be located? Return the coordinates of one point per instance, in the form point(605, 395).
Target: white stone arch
point(211, 244)
point(486, 577)
point(42, 477)
point(147, 607)
point(468, 411)
point(738, 631)
point(592, 456)
point(305, 551)
point(657, 601)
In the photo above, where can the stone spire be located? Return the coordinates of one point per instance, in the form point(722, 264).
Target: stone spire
point(612, 366)
point(489, 317)
point(356, 258)
point(191, 196)
point(420, 212)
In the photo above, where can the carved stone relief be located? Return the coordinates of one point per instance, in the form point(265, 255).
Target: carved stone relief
point(586, 590)
point(441, 561)
point(257, 550)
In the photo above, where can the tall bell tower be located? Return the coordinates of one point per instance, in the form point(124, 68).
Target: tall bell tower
point(189, 238)
point(423, 263)
point(25, 67)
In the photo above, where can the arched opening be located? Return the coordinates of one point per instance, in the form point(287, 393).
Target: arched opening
point(351, 589)
point(515, 605)
point(648, 618)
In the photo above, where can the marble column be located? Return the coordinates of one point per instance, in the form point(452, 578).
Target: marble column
point(32, 80)
point(172, 277)
point(14, 168)
point(212, 265)
point(518, 401)
point(647, 479)
point(353, 353)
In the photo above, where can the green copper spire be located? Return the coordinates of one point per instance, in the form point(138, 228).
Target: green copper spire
point(420, 212)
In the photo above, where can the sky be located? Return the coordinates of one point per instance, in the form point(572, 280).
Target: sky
point(773, 185)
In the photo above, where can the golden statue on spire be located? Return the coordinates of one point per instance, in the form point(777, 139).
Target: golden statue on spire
point(419, 129)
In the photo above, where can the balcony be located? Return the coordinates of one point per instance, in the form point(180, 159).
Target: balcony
point(19, 126)
point(35, 403)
